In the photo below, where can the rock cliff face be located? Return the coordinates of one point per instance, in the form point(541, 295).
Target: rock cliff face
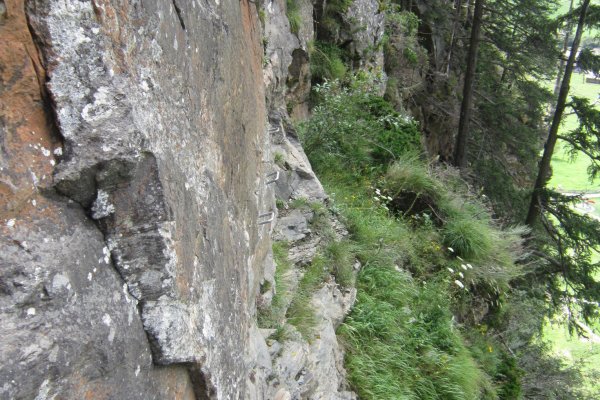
point(131, 234)
point(137, 200)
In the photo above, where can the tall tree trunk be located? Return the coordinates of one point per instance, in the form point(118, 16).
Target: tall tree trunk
point(460, 148)
point(561, 66)
point(455, 26)
point(544, 168)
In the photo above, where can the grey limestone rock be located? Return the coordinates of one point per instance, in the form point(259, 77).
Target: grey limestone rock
point(160, 110)
point(297, 179)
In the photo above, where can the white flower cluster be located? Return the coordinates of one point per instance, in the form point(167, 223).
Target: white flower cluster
point(382, 199)
point(464, 267)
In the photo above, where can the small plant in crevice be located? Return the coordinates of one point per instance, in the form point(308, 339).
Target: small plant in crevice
point(293, 15)
point(274, 316)
point(279, 159)
point(300, 313)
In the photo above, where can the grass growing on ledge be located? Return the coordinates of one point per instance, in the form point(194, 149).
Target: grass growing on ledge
point(293, 15)
point(274, 317)
point(301, 314)
point(401, 338)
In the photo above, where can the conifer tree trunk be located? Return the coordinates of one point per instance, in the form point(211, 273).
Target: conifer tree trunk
point(544, 168)
point(460, 148)
point(561, 66)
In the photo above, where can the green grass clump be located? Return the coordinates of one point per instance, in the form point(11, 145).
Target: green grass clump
point(300, 313)
point(409, 174)
point(469, 237)
point(274, 317)
point(326, 61)
point(401, 342)
point(293, 15)
point(340, 257)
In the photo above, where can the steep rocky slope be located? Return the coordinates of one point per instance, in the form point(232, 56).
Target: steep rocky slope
point(137, 200)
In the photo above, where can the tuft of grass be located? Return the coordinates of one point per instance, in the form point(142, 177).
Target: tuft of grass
point(274, 317)
point(326, 61)
point(300, 313)
point(279, 159)
point(469, 237)
point(340, 257)
point(294, 16)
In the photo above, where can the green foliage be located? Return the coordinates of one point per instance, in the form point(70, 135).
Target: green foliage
point(326, 62)
point(355, 128)
point(468, 236)
point(401, 44)
point(589, 62)
point(300, 313)
point(293, 15)
point(401, 338)
point(340, 258)
point(279, 160)
point(463, 219)
point(570, 252)
point(585, 138)
point(274, 317)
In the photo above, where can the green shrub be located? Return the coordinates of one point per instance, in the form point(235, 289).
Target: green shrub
point(326, 62)
point(354, 128)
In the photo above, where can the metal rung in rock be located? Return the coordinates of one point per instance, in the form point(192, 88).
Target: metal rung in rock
point(275, 174)
point(271, 216)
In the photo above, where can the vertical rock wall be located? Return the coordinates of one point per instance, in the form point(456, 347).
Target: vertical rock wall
point(136, 194)
point(133, 177)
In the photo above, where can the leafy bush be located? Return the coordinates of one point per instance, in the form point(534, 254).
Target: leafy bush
point(353, 127)
point(326, 62)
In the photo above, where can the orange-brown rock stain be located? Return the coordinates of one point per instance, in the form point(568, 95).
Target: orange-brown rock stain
point(27, 138)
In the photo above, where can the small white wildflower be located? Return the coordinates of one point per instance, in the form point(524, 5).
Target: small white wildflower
point(459, 284)
point(377, 191)
point(461, 275)
point(450, 249)
point(470, 266)
point(463, 266)
point(451, 270)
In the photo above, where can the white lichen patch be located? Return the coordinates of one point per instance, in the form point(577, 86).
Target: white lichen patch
point(58, 151)
point(31, 311)
point(111, 334)
point(106, 320)
point(106, 253)
point(10, 223)
point(102, 207)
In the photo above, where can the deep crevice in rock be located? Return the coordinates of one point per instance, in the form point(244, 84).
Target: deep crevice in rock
point(179, 16)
